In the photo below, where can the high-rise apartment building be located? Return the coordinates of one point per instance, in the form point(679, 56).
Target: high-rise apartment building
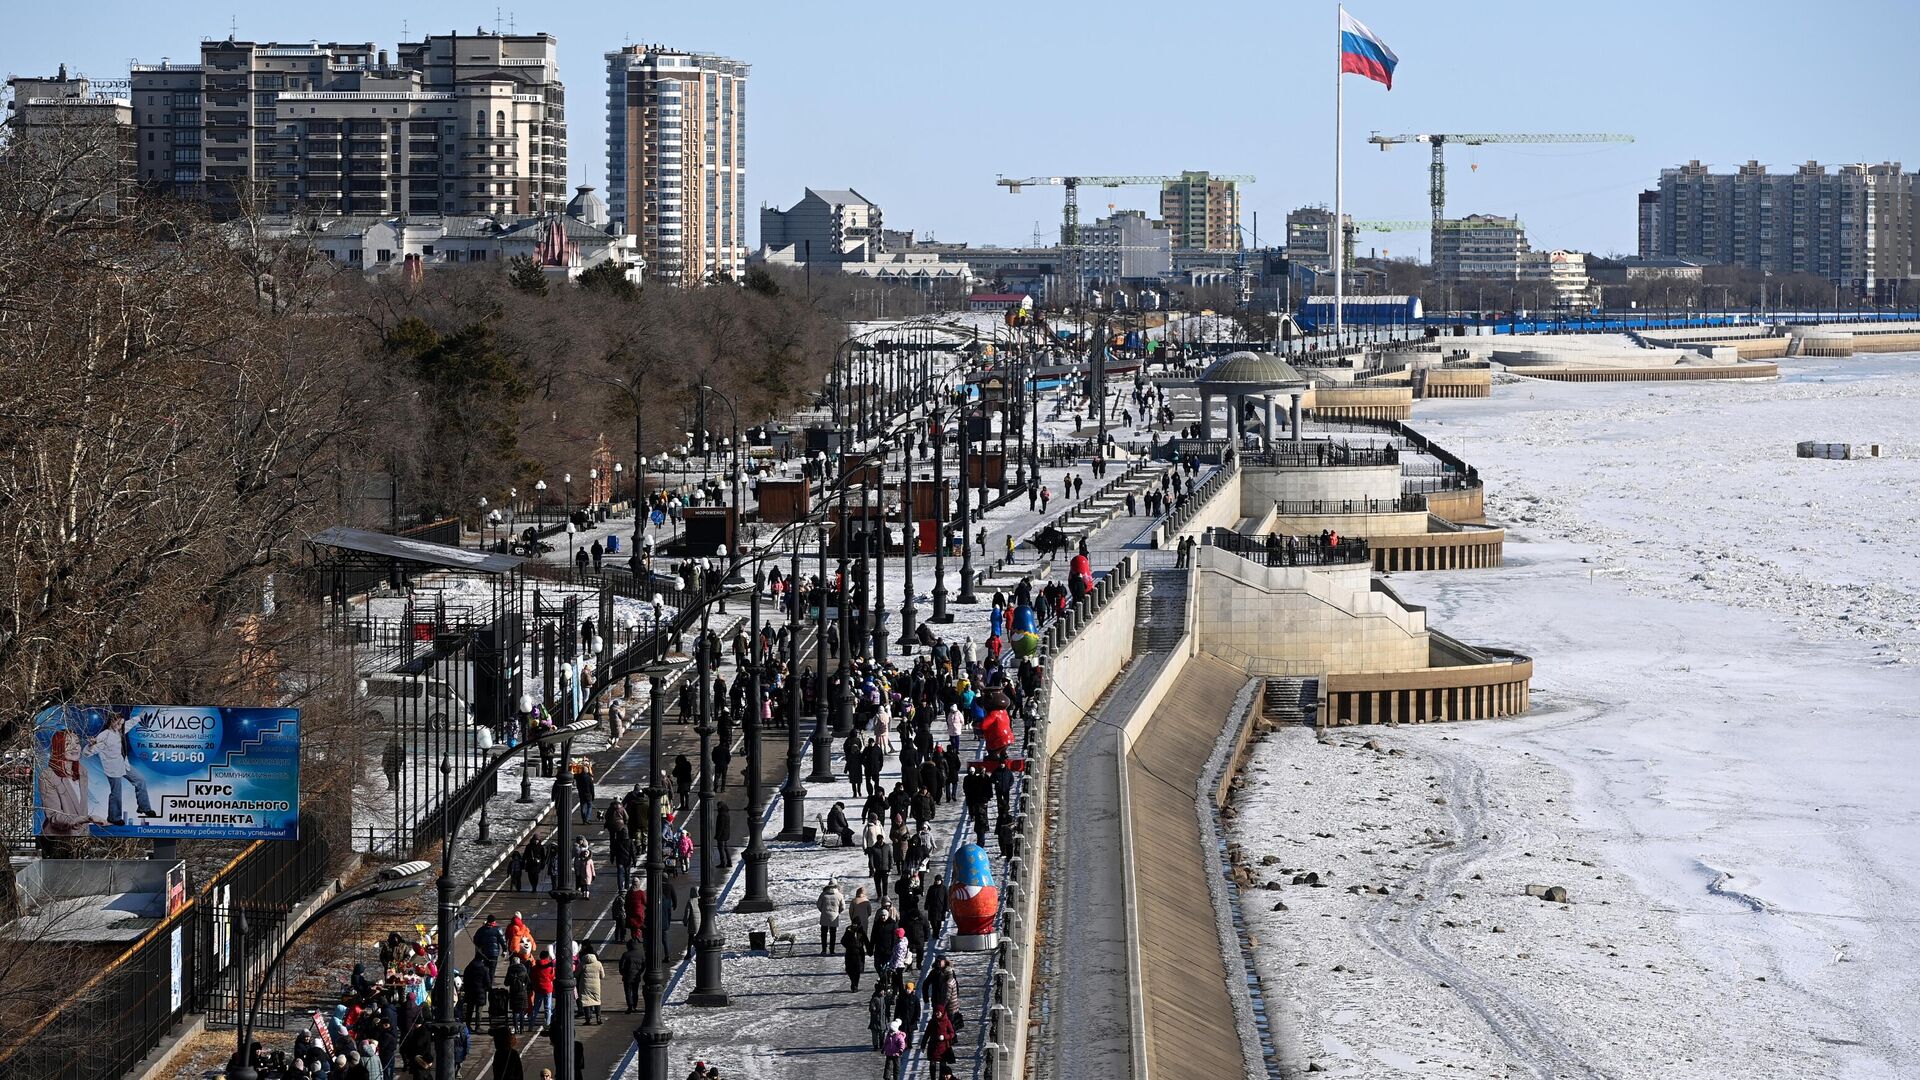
point(1648, 223)
point(677, 159)
point(1854, 226)
point(461, 124)
point(1480, 246)
point(204, 131)
point(1202, 212)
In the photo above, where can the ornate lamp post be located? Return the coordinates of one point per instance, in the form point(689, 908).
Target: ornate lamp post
point(793, 797)
point(940, 612)
point(966, 536)
point(707, 990)
point(539, 502)
point(654, 1035)
point(879, 532)
point(910, 535)
point(822, 737)
point(756, 855)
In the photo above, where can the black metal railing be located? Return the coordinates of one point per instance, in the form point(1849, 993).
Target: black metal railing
point(116, 1016)
point(1278, 549)
point(1423, 485)
point(1323, 453)
point(1405, 504)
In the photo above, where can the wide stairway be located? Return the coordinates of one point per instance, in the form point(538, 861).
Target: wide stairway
point(1162, 618)
point(1290, 700)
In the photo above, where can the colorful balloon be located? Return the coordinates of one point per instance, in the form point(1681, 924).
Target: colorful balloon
point(974, 901)
point(996, 730)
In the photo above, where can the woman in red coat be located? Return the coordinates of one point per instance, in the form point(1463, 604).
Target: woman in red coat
point(939, 1037)
point(636, 912)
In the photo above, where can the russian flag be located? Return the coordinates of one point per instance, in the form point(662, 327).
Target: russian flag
point(1363, 53)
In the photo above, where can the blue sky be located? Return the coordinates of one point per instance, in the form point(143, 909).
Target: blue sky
point(920, 105)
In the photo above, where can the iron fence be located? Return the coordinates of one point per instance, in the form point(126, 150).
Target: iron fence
point(120, 1013)
point(1277, 549)
point(1405, 504)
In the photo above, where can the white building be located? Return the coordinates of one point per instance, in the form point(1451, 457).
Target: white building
point(378, 244)
point(677, 159)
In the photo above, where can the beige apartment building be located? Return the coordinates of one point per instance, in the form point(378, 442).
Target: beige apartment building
point(456, 124)
point(1202, 213)
point(677, 159)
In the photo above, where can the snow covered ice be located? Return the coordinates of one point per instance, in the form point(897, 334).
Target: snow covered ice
point(1719, 766)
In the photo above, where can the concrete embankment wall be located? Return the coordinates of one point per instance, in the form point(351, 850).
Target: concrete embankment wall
point(1084, 669)
point(1299, 621)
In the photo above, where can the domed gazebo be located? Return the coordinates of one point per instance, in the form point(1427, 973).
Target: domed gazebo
point(1261, 376)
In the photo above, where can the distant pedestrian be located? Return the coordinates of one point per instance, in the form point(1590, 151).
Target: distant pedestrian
point(831, 906)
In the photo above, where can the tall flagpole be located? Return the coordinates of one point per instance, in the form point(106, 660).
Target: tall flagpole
point(1338, 230)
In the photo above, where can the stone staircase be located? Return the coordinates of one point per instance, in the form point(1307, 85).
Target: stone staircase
point(1162, 617)
point(1291, 700)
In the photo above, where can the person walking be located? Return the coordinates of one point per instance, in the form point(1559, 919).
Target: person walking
point(583, 789)
point(633, 970)
point(853, 943)
point(543, 976)
point(535, 858)
point(507, 1064)
point(723, 833)
point(880, 865)
point(832, 905)
point(489, 942)
point(592, 974)
point(893, 1048)
point(683, 778)
point(879, 1015)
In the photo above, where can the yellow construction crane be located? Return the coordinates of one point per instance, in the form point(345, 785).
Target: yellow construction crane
point(1070, 214)
point(1437, 172)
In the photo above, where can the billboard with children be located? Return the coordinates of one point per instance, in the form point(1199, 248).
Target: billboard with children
point(166, 772)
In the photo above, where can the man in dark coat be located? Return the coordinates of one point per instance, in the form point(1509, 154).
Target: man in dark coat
point(936, 904)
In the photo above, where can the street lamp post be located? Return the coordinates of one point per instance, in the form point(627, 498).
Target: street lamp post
point(654, 1035)
point(563, 893)
point(453, 814)
point(910, 534)
point(539, 502)
point(756, 854)
point(879, 615)
point(793, 797)
point(966, 536)
point(842, 707)
point(822, 738)
point(940, 612)
point(707, 990)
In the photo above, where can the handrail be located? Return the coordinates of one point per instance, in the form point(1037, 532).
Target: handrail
point(1325, 453)
point(1405, 504)
point(1278, 549)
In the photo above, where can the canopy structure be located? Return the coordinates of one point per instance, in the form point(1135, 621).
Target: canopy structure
point(1262, 377)
point(379, 549)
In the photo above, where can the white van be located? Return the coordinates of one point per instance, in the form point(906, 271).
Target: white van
point(389, 696)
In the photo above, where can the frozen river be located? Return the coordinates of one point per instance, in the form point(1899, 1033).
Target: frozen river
point(1723, 764)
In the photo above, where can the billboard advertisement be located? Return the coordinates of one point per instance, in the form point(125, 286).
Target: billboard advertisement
point(166, 772)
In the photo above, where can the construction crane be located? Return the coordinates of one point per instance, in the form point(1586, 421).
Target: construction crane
point(1437, 172)
point(1356, 226)
point(1070, 215)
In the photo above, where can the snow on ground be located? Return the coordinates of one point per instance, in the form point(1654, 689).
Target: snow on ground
point(1723, 726)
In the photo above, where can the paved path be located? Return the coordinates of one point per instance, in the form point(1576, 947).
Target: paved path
point(1190, 1020)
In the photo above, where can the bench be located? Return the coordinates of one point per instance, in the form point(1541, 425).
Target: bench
point(776, 938)
point(828, 838)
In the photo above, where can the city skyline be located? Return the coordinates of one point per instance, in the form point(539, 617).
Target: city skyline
point(943, 92)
